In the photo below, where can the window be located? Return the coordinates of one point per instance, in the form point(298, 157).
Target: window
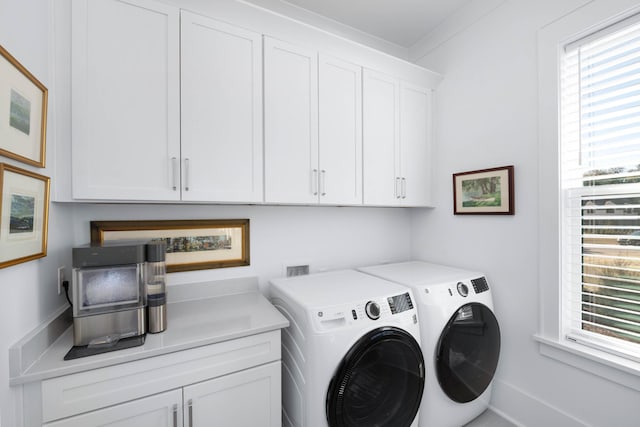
point(600, 189)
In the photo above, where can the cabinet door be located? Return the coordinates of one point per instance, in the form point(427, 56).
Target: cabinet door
point(415, 144)
point(221, 100)
point(291, 123)
point(340, 131)
point(125, 100)
point(381, 155)
point(247, 398)
point(160, 410)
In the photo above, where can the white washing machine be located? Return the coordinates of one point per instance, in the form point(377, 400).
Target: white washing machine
point(351, 356)
point(460, 338)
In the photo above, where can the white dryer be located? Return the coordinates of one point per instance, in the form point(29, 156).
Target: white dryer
point(351, 356)
point(460, 338)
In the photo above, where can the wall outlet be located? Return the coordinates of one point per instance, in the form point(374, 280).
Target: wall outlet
point(60, 278)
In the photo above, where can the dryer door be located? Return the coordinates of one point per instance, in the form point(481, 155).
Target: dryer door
point(378, 383)
point(467, 352)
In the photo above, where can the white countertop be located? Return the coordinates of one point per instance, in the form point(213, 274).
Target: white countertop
point(193, 322)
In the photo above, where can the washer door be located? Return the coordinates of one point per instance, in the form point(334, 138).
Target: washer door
point(467, 352)
point(378, 383)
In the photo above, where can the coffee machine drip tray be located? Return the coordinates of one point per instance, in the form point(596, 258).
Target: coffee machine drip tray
point(104, 345)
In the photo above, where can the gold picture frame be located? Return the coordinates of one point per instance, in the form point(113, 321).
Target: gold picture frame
point(484, 192)
point(23, 113)
point(24, 215)
point(191, 244)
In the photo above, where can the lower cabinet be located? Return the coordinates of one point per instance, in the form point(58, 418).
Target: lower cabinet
point(249, 398)
point(234, 383)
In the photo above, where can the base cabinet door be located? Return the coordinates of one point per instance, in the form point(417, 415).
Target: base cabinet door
point(249, 398)
point(160, 410)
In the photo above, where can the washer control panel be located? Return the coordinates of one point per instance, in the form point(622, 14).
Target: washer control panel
point(373, 310)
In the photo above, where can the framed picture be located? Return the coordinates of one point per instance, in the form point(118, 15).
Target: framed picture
point(24, 215)
point(23, 113)
point(484, 192)
point(191, 244)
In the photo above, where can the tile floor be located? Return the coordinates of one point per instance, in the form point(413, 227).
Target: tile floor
point(489, 419)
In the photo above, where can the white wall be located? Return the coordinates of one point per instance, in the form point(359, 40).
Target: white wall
point(325, 237)
point(28, 291)
point(486, 117)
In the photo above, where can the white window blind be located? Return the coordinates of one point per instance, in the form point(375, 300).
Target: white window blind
point(600, 180)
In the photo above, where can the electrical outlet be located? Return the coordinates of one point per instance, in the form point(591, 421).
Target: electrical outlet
point(60, 278)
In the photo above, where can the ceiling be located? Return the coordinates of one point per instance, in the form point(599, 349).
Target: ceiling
point(401, 22)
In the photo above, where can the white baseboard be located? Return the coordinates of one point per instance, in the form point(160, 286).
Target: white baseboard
point(525, 410)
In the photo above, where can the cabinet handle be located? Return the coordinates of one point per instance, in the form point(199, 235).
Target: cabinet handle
point(190, 406)
point(323, 174)
point(397, 189)
point(174, 172)
point(187, 171)
point(175, 415)
point(314, 182)
point(404, 188)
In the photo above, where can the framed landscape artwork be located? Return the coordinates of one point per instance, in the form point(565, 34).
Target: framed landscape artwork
point(23, 113)
point(484, 192)
point(191, 244)
point(24, 215)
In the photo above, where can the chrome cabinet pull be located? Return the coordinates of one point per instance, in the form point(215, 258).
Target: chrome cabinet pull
point(187, 171)
point(175, 415)
point(397, 190)
point(314, 182)
point(404, 188)
point(174, 172)
point(323, 175)
point(190, 404)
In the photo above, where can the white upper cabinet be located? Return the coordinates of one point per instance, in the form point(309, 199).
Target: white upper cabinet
point(291, 123)
point(415, 144)
point(125, 100)
point(170, 105)
point(381, 134)
point(313, 127)
point(221, 88)
point(396, 142)
point(340, 138)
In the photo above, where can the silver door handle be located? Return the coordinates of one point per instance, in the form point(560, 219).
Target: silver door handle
point(187, 171)
point(314, 182)
point(175, 415)
point(397, 190)
point(190, 406)
point(174, 173)
point(404, 188)
point(323, 176)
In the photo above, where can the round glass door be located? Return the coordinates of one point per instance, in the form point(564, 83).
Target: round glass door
point(378, 383)
point(467, 352)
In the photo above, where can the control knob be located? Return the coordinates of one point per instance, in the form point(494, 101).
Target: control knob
point(373, 310)
point(463, 289)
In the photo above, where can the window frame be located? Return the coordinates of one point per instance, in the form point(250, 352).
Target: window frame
point(552, 343)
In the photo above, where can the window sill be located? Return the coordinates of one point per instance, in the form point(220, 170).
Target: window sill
point(605, 365)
